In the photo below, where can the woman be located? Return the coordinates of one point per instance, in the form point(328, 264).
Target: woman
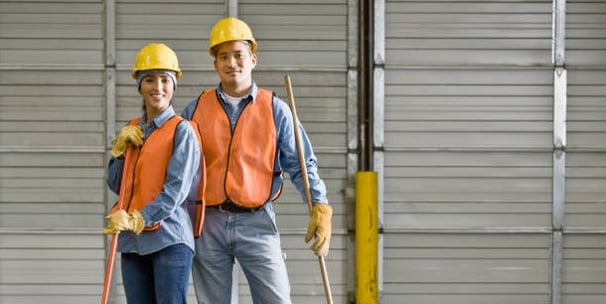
point(157, 239)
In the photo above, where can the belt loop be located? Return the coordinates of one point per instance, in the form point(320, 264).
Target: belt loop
point(221, 207)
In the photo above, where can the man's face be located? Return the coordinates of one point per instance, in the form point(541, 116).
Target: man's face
point(234, 62)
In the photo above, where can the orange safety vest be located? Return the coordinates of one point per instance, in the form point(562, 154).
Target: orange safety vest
point(148, 180)
point(239, 163)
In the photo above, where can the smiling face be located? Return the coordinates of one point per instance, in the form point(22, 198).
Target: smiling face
point(157, 89)
point(234, 62)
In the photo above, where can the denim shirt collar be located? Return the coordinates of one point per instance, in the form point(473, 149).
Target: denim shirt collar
point(252, 93)
point(160, 119)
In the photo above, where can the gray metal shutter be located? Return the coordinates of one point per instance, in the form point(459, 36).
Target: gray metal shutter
point(52, 153)
point(468, 152)
point(584, 238)
point(66, 89)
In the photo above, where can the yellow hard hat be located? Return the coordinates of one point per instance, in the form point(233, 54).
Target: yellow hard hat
point(230, 29)
point(156, 56)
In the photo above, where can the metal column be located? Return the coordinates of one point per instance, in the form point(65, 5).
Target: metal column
point(110, 107)
point(379, 124)
point(559, 147)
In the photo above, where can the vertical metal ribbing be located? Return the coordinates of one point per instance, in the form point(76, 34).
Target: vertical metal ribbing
point(558, 190)
point(232, 8)
point(110, 70)
point(556, 268)
point(559, 30)
point(352, 143)
point(559, 147)
point(378, 123)
point(353, 30)
point(110, 105)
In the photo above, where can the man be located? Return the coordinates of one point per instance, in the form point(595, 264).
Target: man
point(248, 142)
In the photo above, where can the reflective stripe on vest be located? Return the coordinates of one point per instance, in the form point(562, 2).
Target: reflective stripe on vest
point(239, 164)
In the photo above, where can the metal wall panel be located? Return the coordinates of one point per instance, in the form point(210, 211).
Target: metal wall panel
point(468, 152)
point(584, 268)
point(584, 264)
point(467, 129)
point(60, 266)
point(466, 267)
point(52, 151)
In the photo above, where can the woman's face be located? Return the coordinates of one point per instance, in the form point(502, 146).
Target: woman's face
point(157, 90)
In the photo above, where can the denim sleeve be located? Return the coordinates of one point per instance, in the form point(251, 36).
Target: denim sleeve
point(182, 170)
point(288, 156)
point(114, 174)
point(188, 111)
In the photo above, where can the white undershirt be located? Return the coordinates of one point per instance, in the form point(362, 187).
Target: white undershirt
point(233, 101)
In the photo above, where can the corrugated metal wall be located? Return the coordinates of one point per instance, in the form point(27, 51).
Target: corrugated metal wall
point(467, 158)
point(66, 88)
point(52, 154)
point(470, 156)
point(584, 238)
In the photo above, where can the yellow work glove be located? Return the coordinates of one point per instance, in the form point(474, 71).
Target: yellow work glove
point(320, 228)
point(123, 221)
point(128, 134)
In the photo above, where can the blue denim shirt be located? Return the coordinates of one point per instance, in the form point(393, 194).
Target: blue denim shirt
point(288, 159)
point(170, 206)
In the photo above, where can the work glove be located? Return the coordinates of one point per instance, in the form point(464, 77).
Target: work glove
point(123, 221)
point(128, 134)
point(320, 228)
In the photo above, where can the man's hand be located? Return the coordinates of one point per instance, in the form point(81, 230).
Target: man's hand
point(128, 134)
point(123, 221)
point(320, 228)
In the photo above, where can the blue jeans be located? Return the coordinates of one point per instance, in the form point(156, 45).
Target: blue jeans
point(158, 278)
point(253, 240)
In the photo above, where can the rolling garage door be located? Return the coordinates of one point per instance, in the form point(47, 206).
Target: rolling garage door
point(468, 152)
point(467, 160)
point(52, 151)
point(584, 235)
point(66, 89)
point(474, 194)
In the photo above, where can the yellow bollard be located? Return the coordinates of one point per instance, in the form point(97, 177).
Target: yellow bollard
point(367, 234)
